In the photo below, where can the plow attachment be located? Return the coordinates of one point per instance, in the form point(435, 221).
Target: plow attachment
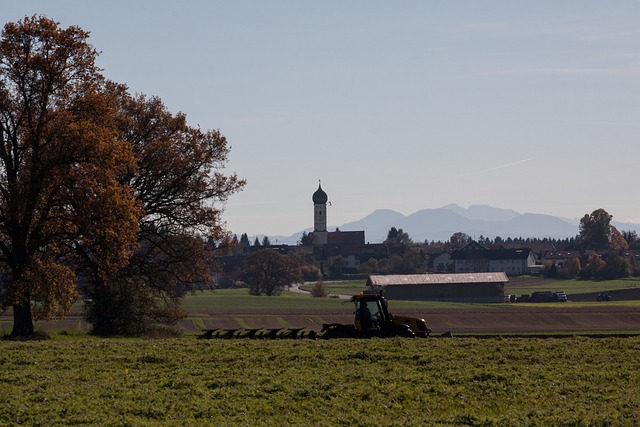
point(260, 333)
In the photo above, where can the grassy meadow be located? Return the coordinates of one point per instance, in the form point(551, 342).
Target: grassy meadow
point(239, 300)
point(348, 287)
point(516, 286)
point(520, 286)
point(75, 379)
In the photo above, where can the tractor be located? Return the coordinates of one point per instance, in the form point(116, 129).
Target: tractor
point(372, 319)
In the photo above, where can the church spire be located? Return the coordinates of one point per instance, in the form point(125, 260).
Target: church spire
point(320, 210)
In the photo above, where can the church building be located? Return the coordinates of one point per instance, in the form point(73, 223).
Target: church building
point(331, 245)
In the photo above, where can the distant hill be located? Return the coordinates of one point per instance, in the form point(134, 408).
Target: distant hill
point(476, 221)
point(483, 212)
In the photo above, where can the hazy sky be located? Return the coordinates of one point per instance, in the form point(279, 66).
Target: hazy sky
point(403, 105)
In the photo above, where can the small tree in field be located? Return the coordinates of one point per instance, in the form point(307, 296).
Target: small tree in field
point(319, 290)
point(267, 272)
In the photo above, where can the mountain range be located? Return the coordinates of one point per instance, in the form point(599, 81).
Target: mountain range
point(476, 220)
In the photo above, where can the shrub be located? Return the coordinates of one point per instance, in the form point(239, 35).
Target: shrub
point(129, 308)
point(319, 290)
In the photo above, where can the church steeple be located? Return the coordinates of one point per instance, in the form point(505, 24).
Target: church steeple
point(320, 211)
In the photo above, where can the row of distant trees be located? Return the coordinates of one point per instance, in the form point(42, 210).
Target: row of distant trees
point(598, 267)
point(243, 244)
point(595, 233)
point(603, 244)
point(266, 272)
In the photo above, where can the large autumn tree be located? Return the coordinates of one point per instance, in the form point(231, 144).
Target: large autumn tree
point(179, 181)
point(99, 189)
point(61, 164)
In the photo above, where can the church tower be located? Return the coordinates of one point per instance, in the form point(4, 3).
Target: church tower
point(320, 216)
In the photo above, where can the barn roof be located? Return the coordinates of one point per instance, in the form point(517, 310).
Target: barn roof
point(433, 279)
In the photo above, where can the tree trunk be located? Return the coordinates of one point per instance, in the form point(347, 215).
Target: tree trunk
point(22, 320)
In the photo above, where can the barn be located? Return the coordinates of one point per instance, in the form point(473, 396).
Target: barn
point(454, 287)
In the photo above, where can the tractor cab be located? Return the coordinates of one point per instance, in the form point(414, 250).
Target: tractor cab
point(372, 318)
point(371, 314)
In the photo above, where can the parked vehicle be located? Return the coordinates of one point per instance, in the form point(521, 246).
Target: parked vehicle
point(544, 296)
point(560, 296)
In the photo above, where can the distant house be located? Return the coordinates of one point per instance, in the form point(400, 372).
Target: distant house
point(439, 262)
point(558, 258)
point(456, 287)
point(475, 258)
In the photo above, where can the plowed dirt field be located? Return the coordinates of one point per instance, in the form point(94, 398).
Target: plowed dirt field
point(511, 318)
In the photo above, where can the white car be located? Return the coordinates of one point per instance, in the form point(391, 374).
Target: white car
point(560, 296)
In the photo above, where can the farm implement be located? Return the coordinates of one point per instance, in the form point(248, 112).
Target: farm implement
point(372, 319)
point(260, 333)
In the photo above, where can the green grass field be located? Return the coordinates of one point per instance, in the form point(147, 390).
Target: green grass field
point(80, 380)
point(350, 287)
point(77, 379)
point(519, 286)
point(239, 300)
